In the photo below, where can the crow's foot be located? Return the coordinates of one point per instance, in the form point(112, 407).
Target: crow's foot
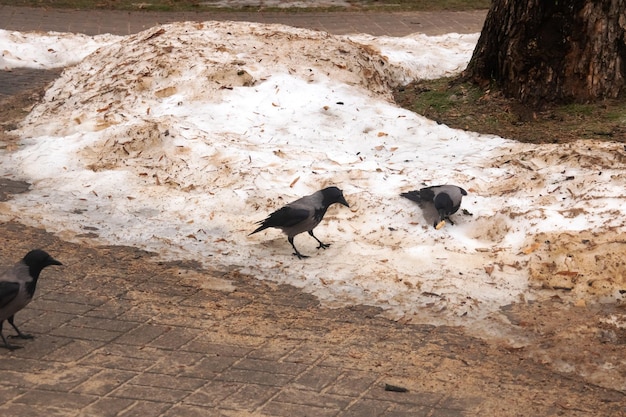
point(21, 335)
point(9, 346)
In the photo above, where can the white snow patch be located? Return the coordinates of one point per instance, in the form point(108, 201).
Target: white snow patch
point(47, 50)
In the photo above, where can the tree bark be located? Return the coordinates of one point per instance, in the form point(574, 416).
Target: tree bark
point(541, 51)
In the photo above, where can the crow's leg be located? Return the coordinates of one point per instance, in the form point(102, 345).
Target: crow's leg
point(443, 216)
point(322, 244)
point(6, 343)
point(297, 253)
point(19, 334)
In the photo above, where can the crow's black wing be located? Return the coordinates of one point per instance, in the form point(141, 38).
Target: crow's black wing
point(287, 217)
point(420, 196)
point(428, 193)
point(284, 217)
point(8, 291)
point(412, 195)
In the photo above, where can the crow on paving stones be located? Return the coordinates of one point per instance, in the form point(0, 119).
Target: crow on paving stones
point(17, 286)
point(446, 198)
point(303, 215)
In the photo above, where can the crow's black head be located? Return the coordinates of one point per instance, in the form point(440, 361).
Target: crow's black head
point(333, 195)
point(36, 260)
point(444, 204)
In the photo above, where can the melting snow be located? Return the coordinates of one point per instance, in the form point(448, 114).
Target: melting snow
point(179, 138)
point(47, 50)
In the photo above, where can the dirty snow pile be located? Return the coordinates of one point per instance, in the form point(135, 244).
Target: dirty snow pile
point(178, 139)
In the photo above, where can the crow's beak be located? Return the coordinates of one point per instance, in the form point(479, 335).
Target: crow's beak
point(344, 202)
point(53, 261)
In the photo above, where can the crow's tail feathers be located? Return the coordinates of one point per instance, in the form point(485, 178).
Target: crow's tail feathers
point(263, 226)
point(413, 196)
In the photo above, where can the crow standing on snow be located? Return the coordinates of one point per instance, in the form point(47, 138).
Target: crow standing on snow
point(446, 198)
point(17, 286)
point(303, 215)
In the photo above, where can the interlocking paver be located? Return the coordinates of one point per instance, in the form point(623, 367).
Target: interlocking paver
point(19, 364)
point(9, 393)
point(100, 323)
point(305, 353)
point(353, 383)
point(203, 343)
point(173, 339)
point(55, 399)
point(21, 409)
point(144, 409)
point(64, 307)
point(43, 321)
point(276, 349)
point(103, 382)
point(213, 393)
point(325, 400)
point(143, 334)
point(194, 411)
point(255, 377)
point(278, 409)
point(85, 333)
point(287, 368)
point(106, 407)
point(249, 397)
point(103, 359)
point(147, 393)
point(410, 398)
point(157, 380)
point(317, 378)
point(61, 378)
point(367, 408)
point(209, 367)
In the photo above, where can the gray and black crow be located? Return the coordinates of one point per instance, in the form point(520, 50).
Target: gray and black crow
point(303, 215)
point(446, 198)
point(17, 287)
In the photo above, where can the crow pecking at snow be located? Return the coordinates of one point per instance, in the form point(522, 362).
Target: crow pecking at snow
point(446, 198)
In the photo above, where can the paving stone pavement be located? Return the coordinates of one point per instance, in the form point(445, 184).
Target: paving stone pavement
point(120, 333)
point(94, 22)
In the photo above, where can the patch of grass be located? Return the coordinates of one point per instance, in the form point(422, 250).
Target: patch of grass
point(196, 5)
point(424, 5)
point(465, 106)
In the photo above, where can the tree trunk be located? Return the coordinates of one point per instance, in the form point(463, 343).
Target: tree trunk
point(541, 51)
